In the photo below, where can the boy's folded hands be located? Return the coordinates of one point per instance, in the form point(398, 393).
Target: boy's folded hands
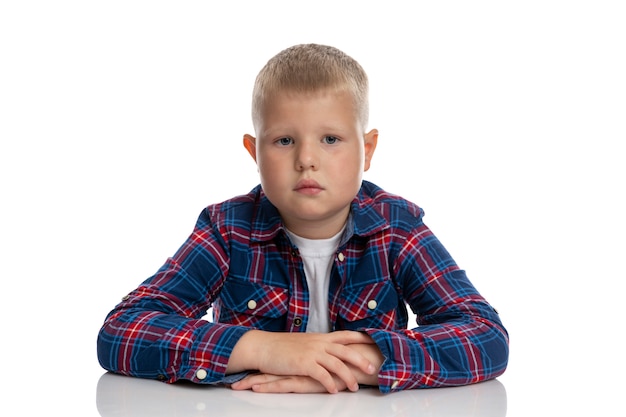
point(305, 362)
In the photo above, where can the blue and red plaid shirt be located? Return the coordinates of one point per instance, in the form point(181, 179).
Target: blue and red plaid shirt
point(240, 262)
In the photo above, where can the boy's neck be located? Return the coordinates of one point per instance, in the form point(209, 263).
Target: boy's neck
point(324, 229)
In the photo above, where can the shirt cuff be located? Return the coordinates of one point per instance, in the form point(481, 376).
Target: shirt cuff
point(209, 358)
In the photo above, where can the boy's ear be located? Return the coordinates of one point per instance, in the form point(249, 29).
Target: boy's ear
point(371, 140)
point(249, 142)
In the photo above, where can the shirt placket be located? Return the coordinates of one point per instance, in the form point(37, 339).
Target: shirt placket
point(337, 281)
point(297, 316)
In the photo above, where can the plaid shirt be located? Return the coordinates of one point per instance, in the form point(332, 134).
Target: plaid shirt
point(240, 261)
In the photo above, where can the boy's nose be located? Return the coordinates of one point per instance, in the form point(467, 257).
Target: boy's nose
point(307, 158)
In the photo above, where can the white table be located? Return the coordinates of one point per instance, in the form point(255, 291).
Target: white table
point(125, 396)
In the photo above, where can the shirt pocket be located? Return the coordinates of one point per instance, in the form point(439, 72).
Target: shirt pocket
point(370, 306)
point(253, 304)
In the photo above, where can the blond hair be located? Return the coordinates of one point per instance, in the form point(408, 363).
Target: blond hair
point(310, 68)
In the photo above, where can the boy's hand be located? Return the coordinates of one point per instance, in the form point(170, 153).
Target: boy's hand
point(283, 383)
point(325, 359)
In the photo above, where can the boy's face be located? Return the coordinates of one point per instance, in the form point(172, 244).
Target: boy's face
point(311, 152)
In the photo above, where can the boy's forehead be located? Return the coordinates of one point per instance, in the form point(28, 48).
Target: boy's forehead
point(281, 97)
point(286, 98)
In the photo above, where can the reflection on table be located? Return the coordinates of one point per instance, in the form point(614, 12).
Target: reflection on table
point(126, 396)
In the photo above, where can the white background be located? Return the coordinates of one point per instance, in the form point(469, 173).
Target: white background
point(505, 121)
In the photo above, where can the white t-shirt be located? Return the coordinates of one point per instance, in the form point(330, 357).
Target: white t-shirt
point(317, 255)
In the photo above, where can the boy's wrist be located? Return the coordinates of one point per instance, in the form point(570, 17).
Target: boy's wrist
point(245, 354)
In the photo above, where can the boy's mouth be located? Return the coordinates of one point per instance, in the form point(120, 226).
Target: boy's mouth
point(308, 186)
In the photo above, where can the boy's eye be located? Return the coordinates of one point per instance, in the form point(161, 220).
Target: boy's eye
point(330, 139)
point(285, 141)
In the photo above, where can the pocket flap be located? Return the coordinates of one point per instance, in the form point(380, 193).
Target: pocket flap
point(371, 300)
point(254, 298)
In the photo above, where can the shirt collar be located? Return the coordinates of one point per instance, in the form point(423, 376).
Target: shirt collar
point(266, 221)
point(365, 215)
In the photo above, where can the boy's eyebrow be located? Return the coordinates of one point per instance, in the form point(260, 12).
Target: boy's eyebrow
point(272, 132)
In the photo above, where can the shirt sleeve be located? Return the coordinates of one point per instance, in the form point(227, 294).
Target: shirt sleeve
point(459, 339)
point(158, 332)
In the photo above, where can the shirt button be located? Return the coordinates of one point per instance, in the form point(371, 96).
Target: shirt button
point(371, 304)
point(395, 384)
point(201, 374)
point(297, 321)
point(251, 304)
point(341, 257)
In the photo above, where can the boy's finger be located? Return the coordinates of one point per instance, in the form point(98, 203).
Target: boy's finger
point(335, 365)
point(348, 337)
point(347, 355)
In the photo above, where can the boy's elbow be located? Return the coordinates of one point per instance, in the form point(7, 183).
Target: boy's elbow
point(105, 350)
point(497, 353)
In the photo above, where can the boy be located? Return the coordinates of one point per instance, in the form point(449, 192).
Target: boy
point(310, 273)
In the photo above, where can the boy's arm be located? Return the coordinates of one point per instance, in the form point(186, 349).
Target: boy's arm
point(158, 334)
point(449, 351)
point(157, 331)
point(459, 339)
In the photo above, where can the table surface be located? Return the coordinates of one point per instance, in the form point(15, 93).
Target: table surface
point(125, 396)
